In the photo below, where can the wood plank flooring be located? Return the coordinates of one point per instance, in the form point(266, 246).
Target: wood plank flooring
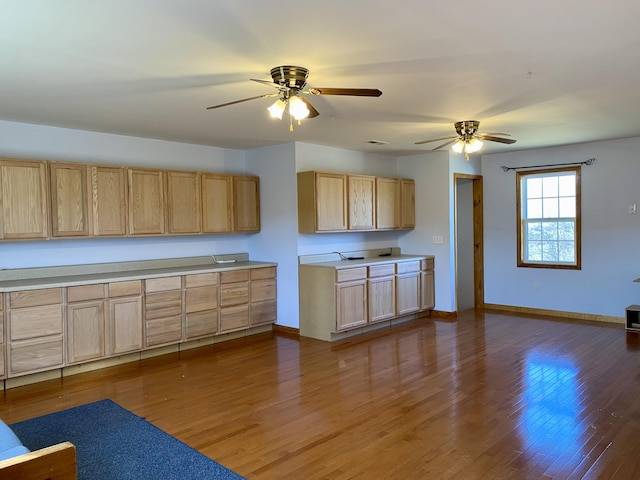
point(488, 396)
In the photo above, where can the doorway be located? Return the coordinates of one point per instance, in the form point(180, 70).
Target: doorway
point(468, 241)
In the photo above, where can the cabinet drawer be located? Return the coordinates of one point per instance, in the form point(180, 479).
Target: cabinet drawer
point(262, 290)
point(234, 294)
point(163, 284)
point(34, 298)
point(407, 267)
point(384, 270)
point(85, 292)
point(163, 304)
point(263, 312)
point(262, 273)
point(201, 298)
point(426, 264)
point(164, 330)
point(200, 324)
point(233, 276)
point(234, 318)
point(128, 287)
point(201, 280)
point(35, 322)
point(349, 274)
point(32, 356)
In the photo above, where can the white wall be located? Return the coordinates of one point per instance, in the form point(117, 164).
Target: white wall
point(36, 142)
point(610, 235)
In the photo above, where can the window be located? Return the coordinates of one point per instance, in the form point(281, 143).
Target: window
point(549, 218)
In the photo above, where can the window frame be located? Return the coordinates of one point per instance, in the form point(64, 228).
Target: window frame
point(521, 235)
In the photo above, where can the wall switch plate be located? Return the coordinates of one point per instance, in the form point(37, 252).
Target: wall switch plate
point(438, 239)
point(632, 209)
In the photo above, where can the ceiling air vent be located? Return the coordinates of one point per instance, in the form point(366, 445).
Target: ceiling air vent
point(377, 142)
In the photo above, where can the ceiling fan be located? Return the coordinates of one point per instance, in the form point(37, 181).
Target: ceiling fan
point(468, 139)
point(290, 80)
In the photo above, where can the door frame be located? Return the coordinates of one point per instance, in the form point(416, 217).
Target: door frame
point(478, 236)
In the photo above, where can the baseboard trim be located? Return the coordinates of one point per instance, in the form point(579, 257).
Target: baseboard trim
point(285, 330)
point(556, 313)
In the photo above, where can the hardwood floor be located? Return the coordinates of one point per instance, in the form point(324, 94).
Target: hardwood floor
point(489, 396)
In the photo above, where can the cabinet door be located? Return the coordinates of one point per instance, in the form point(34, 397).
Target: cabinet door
point(146, 202)
point(428, 300)
point(217, 203)
point(382, 298)
point(183, 202)
point(331, 202)
point(109, 201)
point(388, 203)
point(68, 200)
point(407, 293)
point(124, 328)
point(24, 200)
point(361, 196)
point(85, 331)
point(408, 203)
point(246, 204)
point(351, 304)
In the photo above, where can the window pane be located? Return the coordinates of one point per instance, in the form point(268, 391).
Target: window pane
point(567, 185)
point(534, 187)
point(534, 230)
point(566, 231)
point(566, 252)
point(550, 208)
point(549, 230)
point(550, 186)
point(550, 251)
point(534, 252)
point(534, 209)
point(567, 207)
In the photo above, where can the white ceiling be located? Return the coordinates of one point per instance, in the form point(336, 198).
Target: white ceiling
point(548, 72)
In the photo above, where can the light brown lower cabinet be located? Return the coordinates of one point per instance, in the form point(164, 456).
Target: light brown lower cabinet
point(351, 298)
point(407, 287)
point(46, 329)
point(125, 324)
point(35, 330)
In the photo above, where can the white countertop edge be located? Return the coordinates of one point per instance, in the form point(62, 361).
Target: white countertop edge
point(365, 262)
point(91, 279)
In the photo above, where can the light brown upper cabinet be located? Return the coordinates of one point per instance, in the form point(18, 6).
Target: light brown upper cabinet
point(69, 204)
point(146, 202)
point(408, 203)
point(246, 204)
point(108, 201)
point(322, 202)
point(387, 203)
point(24, 199)
point(183, 202)
point(361, 198)
point(217, 203)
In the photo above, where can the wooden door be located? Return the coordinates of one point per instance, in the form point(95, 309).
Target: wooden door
point(85, 331)
point(246, 204)
point(183, 202)
point(407, 293)
point(24, 199)
point(361, 199)
point(124, 329)
point(351, 304)
point(331, 202)
point(382, 298)
point(217, 203)
point(69, 204)
point(387, 203)
point(108, 201)
point(146, 202)
point(407, 203)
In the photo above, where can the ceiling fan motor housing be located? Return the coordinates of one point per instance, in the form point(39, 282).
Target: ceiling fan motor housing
point(290, 76)
point(467, 128)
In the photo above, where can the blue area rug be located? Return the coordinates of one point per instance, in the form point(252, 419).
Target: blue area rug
point(114, 444)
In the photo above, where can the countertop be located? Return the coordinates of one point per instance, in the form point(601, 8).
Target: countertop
point(65, 276)
point(367, 261)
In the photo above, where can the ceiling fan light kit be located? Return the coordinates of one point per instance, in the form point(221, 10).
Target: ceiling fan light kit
point(468, 139)
point(290, 80)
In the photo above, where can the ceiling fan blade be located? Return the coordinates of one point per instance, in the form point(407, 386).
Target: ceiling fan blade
point(435, 140)
point(508, 141)
point(355, 92)
point(271, 83)
point(446, 144)
point(312, 111)
point(244, 100)
point(494, 133)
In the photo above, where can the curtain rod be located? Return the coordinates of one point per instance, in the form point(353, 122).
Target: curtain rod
point(586, 162)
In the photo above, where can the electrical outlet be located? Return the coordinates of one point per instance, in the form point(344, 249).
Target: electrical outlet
point(632, 209)
point(536, 287)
